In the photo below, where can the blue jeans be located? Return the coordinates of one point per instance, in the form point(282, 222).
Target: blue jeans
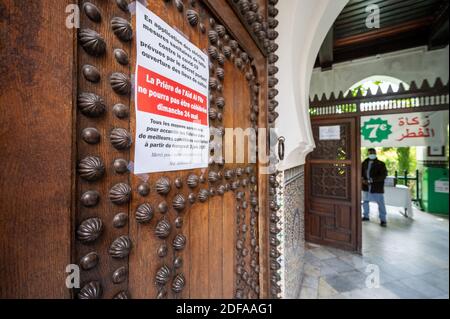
point(377, 198)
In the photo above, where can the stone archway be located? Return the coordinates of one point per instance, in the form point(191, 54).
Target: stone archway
point(303, 27)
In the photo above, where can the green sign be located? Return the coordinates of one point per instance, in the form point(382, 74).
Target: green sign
point(376, 130)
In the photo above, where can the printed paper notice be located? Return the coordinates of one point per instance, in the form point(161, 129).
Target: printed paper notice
point(172, 75)
point(441, 187)
point(330, 133)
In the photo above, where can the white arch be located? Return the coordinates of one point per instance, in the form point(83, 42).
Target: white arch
point(303, 27)
point(415, 64)
point(386, 81)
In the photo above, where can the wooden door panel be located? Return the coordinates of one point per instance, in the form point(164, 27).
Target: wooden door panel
point(322, 209)
point(202, 241)
point(36, 192)
point(314, 227)
point(331, 181)
point(228, 202)
point(343, 217)
point(332, 208)
point(335, 236)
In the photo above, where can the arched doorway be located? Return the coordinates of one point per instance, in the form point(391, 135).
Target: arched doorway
point(333, 170)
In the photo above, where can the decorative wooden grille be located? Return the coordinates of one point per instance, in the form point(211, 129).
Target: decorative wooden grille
point(416, 99)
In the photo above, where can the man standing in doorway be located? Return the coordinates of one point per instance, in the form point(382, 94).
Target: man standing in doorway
point(374, 173)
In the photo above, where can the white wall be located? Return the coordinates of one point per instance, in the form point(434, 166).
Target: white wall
point(303, 27)
point(422, 155)
point(409, 65)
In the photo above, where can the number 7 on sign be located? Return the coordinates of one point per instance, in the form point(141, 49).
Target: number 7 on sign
point(376, 130)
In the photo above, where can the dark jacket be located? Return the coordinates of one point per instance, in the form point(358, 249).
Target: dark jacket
point(378, 174)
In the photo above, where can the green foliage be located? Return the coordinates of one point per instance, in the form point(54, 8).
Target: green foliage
point(364, 88)
point(403, 156)
point(364, 153)
point(359, 88)
point(447, 146)
point(346, 108)
point(396, 159)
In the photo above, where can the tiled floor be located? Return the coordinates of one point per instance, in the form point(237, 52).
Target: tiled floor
point(412, 257)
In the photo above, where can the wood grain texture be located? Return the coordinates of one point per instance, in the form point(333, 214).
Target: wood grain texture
point(36, 101)
point(40, 207)
point(199, 218)
point(215, 223)
point(229, 213)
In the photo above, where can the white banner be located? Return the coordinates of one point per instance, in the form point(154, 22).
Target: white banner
point(405, 130)
point(172, 77)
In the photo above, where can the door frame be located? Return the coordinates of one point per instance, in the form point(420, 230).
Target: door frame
point(228, 17)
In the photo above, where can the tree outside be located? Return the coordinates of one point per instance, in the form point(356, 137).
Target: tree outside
point(396, 159)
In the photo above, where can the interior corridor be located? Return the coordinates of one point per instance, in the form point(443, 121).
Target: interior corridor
point(412, 258)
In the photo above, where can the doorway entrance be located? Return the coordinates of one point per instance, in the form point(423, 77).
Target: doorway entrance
point(333, 170)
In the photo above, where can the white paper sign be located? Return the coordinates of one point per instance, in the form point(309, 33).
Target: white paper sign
point(441, 187)
point(330, 133)
point(172, 76)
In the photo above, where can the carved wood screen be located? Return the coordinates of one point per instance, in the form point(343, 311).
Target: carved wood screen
point(188, 234)
point(423, 98)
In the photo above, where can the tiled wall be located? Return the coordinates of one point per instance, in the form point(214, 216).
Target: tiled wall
point(294, 231)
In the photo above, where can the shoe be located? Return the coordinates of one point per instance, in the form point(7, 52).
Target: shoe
point(383, 224)
point(366, 219)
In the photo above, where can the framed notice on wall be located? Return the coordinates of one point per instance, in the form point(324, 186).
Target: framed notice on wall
point(441, 187)
point(330, 133)
point(436, 151)
point(172, 76)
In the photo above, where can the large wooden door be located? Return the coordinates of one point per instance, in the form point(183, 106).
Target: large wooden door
point(186, 234)
point(68, 195)
point(332, 196)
